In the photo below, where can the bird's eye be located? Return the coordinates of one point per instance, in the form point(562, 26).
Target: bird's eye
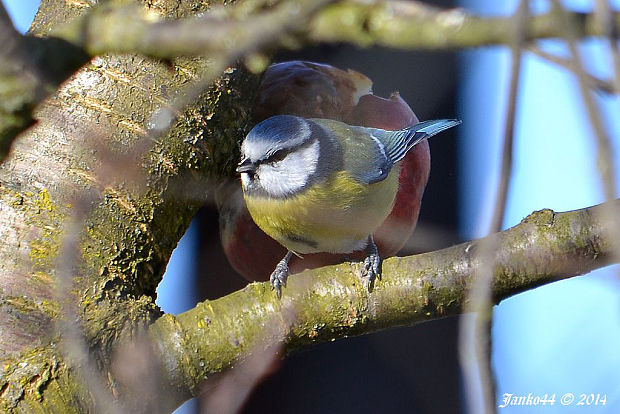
point(277, 156)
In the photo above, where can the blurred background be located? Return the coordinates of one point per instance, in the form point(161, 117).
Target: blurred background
point(557, 339)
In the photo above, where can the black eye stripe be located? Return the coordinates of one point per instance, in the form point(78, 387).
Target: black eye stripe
point(277, 156)
point(280, 154)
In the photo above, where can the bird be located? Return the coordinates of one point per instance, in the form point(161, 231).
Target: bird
point(317, 90)
point(320, 185)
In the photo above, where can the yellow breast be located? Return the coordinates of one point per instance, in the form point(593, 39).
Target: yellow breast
point(335, 216)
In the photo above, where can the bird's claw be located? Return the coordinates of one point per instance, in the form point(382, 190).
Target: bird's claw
point(372, 264)
point(372, 270)
point(278, 277)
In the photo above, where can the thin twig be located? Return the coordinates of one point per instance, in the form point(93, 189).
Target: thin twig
point(605, 150)
point(506, 160)
point(475, 331)
point(594, 82)
point(232, 390)
point(603, 13)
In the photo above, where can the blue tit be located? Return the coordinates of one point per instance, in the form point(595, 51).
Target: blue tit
point(319, 185)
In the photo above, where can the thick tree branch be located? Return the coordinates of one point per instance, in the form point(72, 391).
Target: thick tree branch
point(414, 25)
point(221, 32)
point(332, 303)
point(399, 24)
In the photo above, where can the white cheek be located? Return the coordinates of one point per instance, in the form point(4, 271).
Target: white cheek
point(290, 175)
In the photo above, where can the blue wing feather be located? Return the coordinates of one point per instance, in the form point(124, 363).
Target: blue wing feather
point(398, 143)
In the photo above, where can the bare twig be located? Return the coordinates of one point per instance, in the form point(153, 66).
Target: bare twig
point(112, 169)
point(233, 390)
point(594, 82)
point(605, 150)
point(604, 15)
point(506, 160)
point(475, 331)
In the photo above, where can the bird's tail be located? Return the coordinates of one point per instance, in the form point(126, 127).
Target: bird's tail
point(407, 138)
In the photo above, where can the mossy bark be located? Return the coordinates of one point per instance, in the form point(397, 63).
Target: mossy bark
point(83, 159)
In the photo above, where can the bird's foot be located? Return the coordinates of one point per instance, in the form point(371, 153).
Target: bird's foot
point(372, 264)
point(280, 275)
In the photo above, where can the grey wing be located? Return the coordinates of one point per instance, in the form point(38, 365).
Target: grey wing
point(358, 152)
point(398, 143)
point(380, 163)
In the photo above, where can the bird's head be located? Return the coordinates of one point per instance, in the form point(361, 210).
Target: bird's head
point(282, 156)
